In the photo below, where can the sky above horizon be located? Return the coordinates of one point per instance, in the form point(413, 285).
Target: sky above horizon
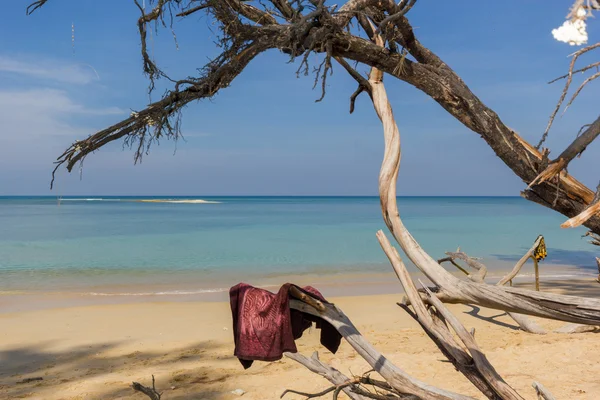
point(265, 135)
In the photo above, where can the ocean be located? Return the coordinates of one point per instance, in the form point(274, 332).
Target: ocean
point(122, 246)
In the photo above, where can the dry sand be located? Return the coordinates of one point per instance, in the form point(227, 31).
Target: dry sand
point(94, 352)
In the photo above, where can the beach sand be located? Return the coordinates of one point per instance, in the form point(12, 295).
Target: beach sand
point(95, 351)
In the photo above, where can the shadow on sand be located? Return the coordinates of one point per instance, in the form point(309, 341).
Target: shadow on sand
point(95, 366)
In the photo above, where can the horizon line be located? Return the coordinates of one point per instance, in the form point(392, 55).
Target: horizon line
point(238, 195)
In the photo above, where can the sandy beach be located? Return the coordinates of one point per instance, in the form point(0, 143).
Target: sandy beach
point(95, 351)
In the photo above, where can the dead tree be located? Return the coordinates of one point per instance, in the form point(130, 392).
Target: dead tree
point(299, 28)
point(435, 319)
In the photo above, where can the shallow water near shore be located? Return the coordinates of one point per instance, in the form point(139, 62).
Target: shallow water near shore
point(189, 246)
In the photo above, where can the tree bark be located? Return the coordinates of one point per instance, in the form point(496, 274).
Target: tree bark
point(560, 307)
point(323, 31)
point(397, 378)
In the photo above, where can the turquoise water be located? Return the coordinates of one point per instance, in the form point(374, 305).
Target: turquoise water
point(82, 244)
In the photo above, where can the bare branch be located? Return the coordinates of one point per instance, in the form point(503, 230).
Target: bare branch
point(34, 6)
point(471, 262)
point(334, 376)
point(154, 121)
point(192, 10)
point(542, 392)
point(152, 393)
point(363, 83)
point(323, 30)
point(577, 147)
point(529, 254)
point(592, 65)
point(404, 9)
point(397, 378)
point(576, 55)
point(457, 265)
point(310, 395)
point(595, 238)
point(589, 212)
point(580, 88)
point(481, 362)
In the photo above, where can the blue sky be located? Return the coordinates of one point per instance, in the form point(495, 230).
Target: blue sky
point(265, 135)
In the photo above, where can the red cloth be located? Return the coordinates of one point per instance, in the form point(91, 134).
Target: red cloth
point(264, 326)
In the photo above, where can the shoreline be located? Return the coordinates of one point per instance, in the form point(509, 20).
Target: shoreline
point(330, 284)
point(96, 351)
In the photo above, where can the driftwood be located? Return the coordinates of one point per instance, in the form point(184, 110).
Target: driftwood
point(587, 213)
point(488, 384)
point(481, 270)
point(577, 147)
point(398, 384)
point(542, 392)
point(398, 379)
point(298, 294)
point(511, 275)
point(525, 323)
point(151, 392)
point(451, 289)
point(339, 380)
point(300, 28)
point(468, 357)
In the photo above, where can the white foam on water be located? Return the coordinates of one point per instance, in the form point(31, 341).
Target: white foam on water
point(192, 201)
point(171, 201)
point(92, 199)
point(164, 293)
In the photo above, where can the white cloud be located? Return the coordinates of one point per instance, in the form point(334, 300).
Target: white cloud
point(37, 125)
point(46, 69)
point(36, 102)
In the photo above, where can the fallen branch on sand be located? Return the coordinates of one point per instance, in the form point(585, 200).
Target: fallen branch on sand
point(432, 315)
point(152, 393)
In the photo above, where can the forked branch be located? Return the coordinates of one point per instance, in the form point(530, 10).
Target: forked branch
point(577, 147)
point(314, 364)
point(151, 392)
point(589, 212)
point(473, 263)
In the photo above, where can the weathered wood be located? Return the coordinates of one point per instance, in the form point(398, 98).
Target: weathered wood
point(527, 324)
point(437, 330)
point(480, 268)
point(589, 212)
point(151, 392)
point(513, 273)
point(580, 143)
point(524, 323)
point(484, 377)
point(446, 88)
point(554, 306)
point(397, 378)
point(298, 294)
point(482, 364)
point(576, 328)
point(542, 392)
point(314, 364)
point(561, 307)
